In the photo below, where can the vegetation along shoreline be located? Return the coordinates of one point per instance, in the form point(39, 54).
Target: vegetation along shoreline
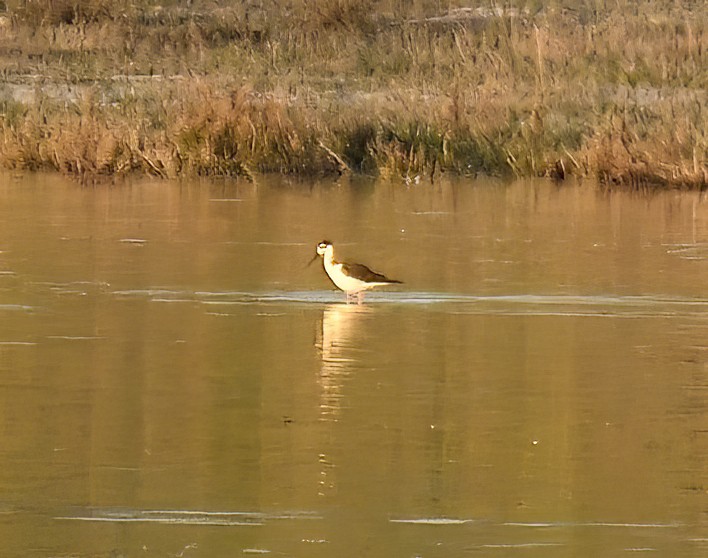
point(615, 91)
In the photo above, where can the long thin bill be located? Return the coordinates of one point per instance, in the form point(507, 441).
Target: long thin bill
point(312, 260)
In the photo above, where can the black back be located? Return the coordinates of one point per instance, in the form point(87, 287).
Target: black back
point(360, 271)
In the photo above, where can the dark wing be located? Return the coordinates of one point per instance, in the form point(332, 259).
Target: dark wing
point(363, 273)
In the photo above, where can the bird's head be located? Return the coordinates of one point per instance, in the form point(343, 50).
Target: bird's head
point(322, 247)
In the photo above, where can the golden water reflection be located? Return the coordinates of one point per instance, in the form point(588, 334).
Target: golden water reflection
point(172, 380)
point(339, 344)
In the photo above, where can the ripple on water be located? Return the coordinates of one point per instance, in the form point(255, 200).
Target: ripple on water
point(519, 545)
point(692, 251)
point(432, 521)
point(594, 524)
point(75, 337)
point(522, 304)
point(185, 517)
point(16, 308)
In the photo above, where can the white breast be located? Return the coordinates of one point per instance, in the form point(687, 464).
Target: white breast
point(342, 281)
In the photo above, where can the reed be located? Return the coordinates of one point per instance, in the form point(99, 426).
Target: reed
point(402, 89)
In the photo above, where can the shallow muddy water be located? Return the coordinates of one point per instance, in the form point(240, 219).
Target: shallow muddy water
point(175, 382)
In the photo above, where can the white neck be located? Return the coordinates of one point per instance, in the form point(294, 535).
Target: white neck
point(329, 255)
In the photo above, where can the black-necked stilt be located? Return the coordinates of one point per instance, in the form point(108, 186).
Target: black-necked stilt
point(352, 278)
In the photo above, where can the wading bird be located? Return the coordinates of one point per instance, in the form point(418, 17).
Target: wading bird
point(352, 278)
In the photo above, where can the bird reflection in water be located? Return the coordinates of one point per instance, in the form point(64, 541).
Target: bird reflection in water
point(339, 341)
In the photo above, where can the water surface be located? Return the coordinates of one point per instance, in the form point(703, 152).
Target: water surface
point(175, 382)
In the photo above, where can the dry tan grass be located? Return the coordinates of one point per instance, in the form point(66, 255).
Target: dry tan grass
point(586, 88)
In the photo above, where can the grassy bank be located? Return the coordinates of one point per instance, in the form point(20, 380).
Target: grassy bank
point(614, 90)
